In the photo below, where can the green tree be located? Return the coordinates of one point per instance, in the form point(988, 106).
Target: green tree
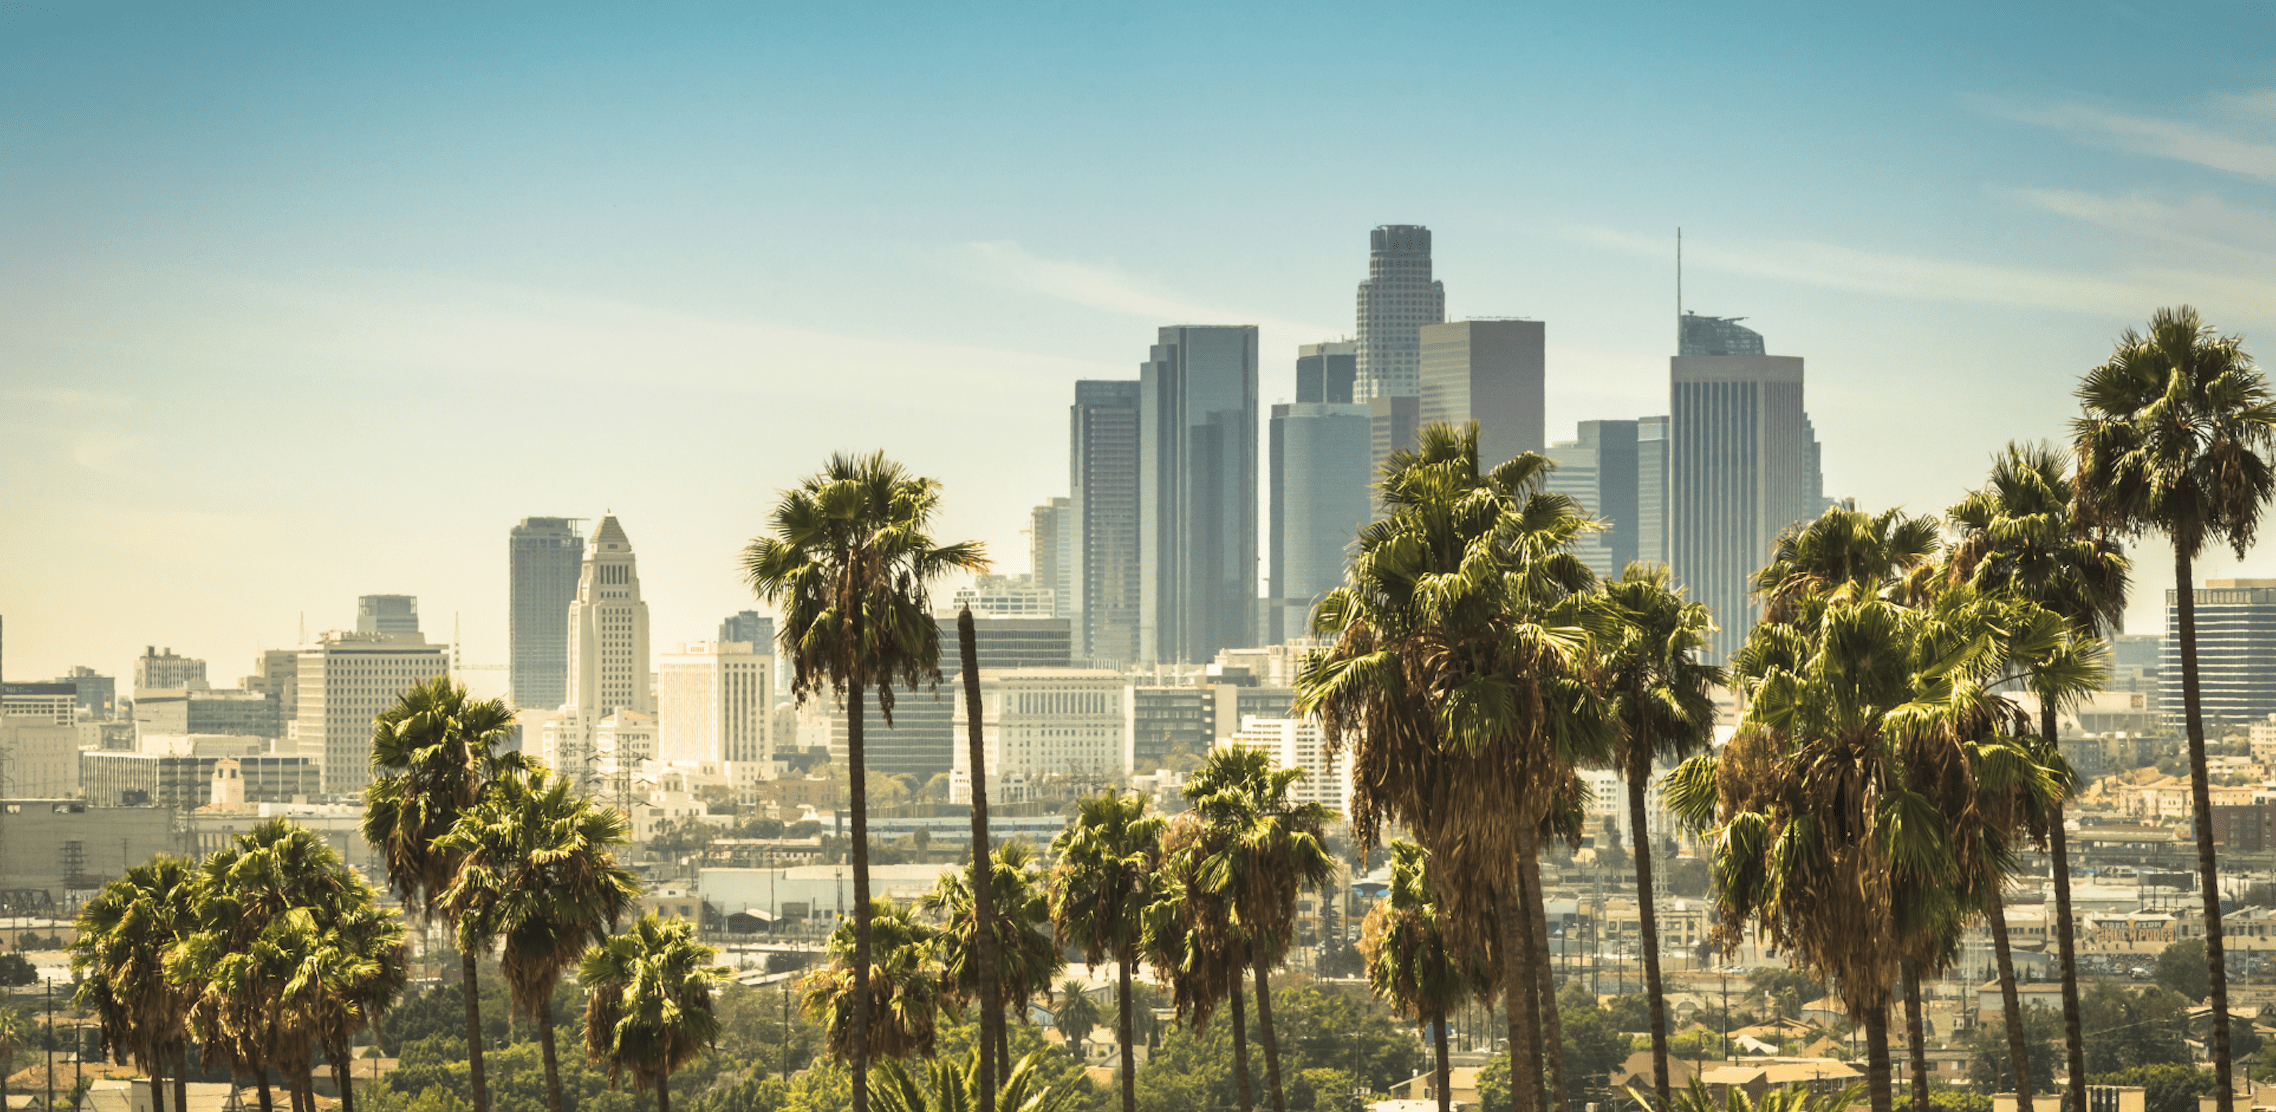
point(119, 959)
point(952, 1087)
point(1106, 860)
point(2174, 439)
point(1196, 942)
point(1408, 961)
point(902, 992)
point(1077, 1016)
point(850, 564)
point(1991, 1069)
point(2181, 968)
point(1026, 958)
point(2128, 1029)
point(537, 873)
point(2171, 1087)
point(648, 1011)
point(1661, 694)
point(432, 754)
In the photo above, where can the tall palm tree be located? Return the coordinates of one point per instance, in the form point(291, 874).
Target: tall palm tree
point(2019, 534)
point(1077, 1015)
point(850, 562)
point(1195, 941)
point(648, 1003)
point(1660, 692)
point(903, 994)
point(1457, 673)
point(984, 910)
point(538, 873)
point(1261, 849)
point(1027, 960)
point(353, 971)
point(119, 956)
point(1099, 889)
point(1408, 960)
point(2174, 439)
point(432, 754)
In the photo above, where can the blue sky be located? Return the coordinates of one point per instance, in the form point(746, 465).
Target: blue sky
point(300, 302)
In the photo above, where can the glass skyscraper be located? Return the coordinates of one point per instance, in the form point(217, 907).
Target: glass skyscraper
point(1321, 462)
point(1102, 516)
point(544, 556)
point(1397, 299)
point(1197, 493)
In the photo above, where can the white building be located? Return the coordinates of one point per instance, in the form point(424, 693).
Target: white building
point(1009, 596)
point(1038, 722)
point(608, 628)
point(715, 702)
point(164, 669)
point(1299, 743)
point(346, 680)
point(39, 737)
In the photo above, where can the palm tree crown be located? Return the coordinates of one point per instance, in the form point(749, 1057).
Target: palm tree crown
point(648, 1008)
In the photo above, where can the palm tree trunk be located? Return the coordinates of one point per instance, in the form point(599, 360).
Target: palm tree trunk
point(477, 1082)
point(552, 1064)
point(1916, 1038)
point(2011, 1006)
point(983, 895)
point(1264, 1024)
point(1537, 946)
point(1639, 771)
point(261, 1086)
point(182, 1076)
point(664, 1093)
point(1445, 1094)
point(1877, 1060)
point(2074, 1041)
point(858, 803)
point(343, 1076)
point(2201, 814)
point(158, 1082)
point(1240, 1049)
point(1517, 997)
point(1129, 1055)
point(1004, 1041)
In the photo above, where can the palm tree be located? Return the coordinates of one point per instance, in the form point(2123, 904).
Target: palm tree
point(1077, 1017)
point(1660, 694)
point(1408, 961)
point(1195, 942)
point(1457, 674)
point(2019, 534)
point(648, 1002)
point(119, 957)
point(537, 872)
point(903, 988)
point(2174, 439)
point(850, 563)
point(1099, 889)
point(1027, 960)
point(984, 951)
point(956, 1087)
point(1260, 848)
point(432, 754)
point(354, 971)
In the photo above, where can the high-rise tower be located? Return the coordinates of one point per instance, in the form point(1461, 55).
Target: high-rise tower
point(543, 559)
point(387, 614)
point(608, 629)
point(1321, 461)
point(1197, 496)
point(1102, 510)
point(1397, 299)
point(1492, 372)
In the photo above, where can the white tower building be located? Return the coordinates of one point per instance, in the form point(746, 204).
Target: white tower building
point(346, 680)
point(608, 628)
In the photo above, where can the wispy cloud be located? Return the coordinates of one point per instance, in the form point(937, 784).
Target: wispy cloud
point(2201, 222)
point(1011, 266)
point(2220, 148)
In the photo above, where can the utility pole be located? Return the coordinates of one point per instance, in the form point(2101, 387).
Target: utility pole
point(51, 1042)
point(786, 1029)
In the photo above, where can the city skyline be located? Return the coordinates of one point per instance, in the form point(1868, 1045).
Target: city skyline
point(227, 271)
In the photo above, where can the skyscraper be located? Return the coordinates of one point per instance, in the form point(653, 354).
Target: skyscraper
point(1325, 372)
point(1738, 470)
point(346, 680)
point(2236, 653)
point(1598, 469)
point(608, 629)
point(1197, 496)
point(1050, 541)
point(1651, 489)
point(1698, 335)
point(1397, 299)
point(1491, 372)
point(387, 614)
point(750, 627)
point(543, 558)
point(1102, 511)
point(1321, 459)
point(164, 669)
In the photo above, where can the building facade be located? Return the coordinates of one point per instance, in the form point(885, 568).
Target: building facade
point(346, 680)
point(1050, 551)
point(1042, 722)
point(276, 673)
point(1651, 489)
point(925, 734)
point(1320, 465)
point(751, 628)
point(387, 614)
point(1102, 515)
point(1398, 298)
point(251, 713)
point(1492, 372)
point(181, 781)
point(1299, 743)
point(1599, 470)
point(1197, 499)
point(1326, 372)
point(608, 628)
point(2236, 654)
point(164, 669)
point(97, 694)
point(544, 558)
point(715, 702)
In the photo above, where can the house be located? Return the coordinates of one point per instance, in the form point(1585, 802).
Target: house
point(201, 1096)
point(1637, 1072)
point(1462, 1082)
point(1756, 1076)
point(1990, 1008)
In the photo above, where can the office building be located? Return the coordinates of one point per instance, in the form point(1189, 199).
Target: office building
point(1197, 504)
point(1038, 723)
point(1162, 719)
point(39, 735)
point(60, 849)
point(1102, 511)
point(1006, 596)
point(608, 628)
point(181, 780)
point(97, 695)
point(1738, 470)
point(544, 557)
point(164, 669)
point(925, 733)
point(751, 628)
point(1491, 371)
point(387, 614)
point(182, 711)
point(1325, 372)
point(1598, 470)
point(1050, 543)
point(346, 680)
point(1392, 425)
point(1698, 335)
point(1398, 298)
point(2236, 654)
point(715, 702)
point(1320, 464)
point(276, 674)
point(53, 704)
point(1298, 743)
point(1651, 489)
